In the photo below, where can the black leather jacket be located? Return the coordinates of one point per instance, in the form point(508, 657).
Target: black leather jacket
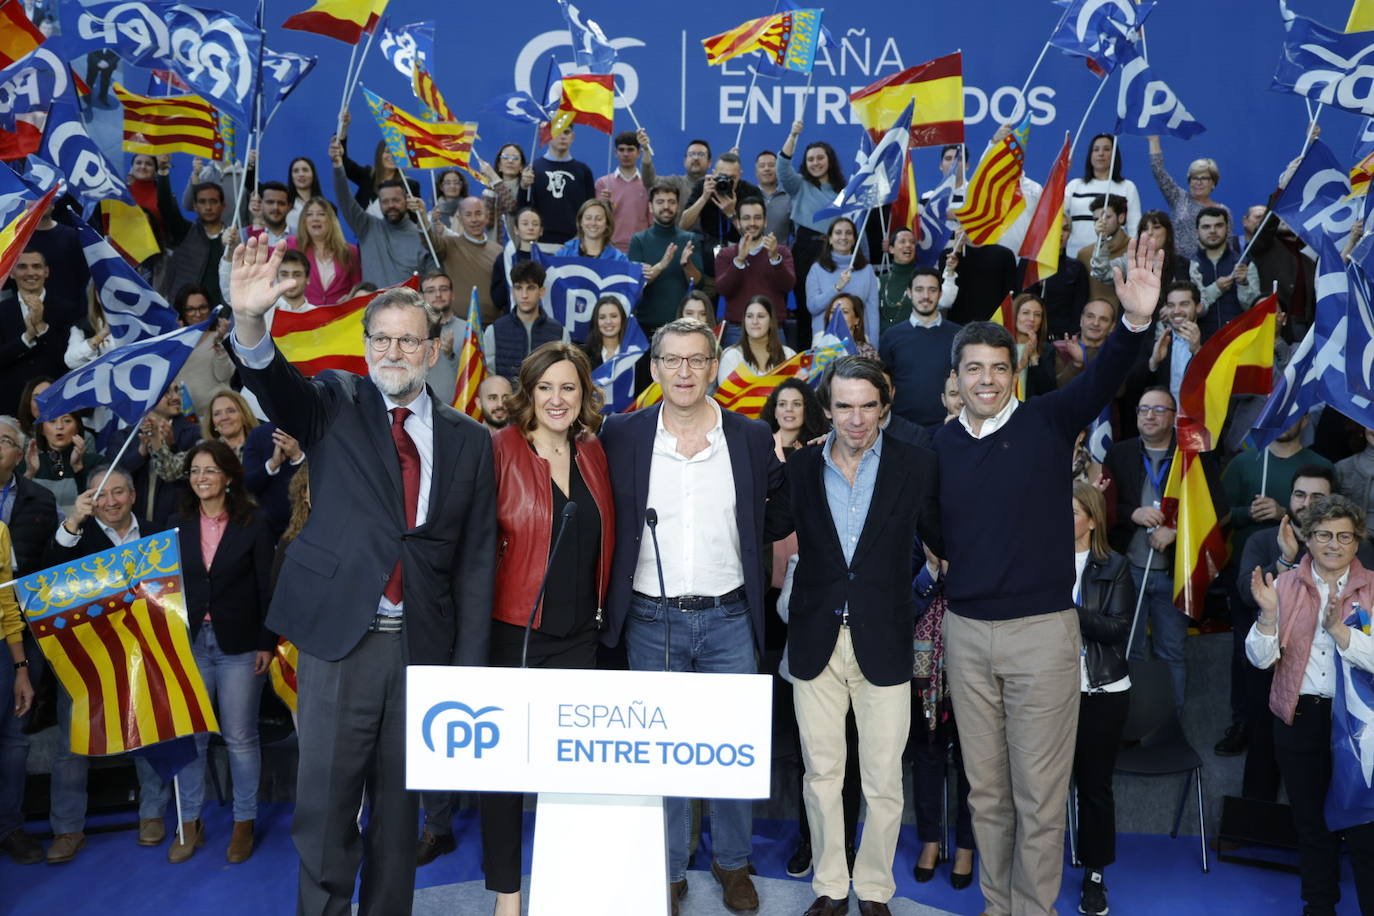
point(1104, 617)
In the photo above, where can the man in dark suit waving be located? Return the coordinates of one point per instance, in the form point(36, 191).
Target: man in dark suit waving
point(393, 568)
point(705, 471)
point(861, 498)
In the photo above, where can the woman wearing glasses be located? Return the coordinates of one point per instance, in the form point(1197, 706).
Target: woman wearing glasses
point(503, 184)
point(226, 567)
point(1300, 631)
point(1184, 203)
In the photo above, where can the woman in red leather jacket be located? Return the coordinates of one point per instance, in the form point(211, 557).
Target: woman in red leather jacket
point(547, 457)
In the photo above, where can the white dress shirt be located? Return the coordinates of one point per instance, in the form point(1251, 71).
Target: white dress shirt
point(67, 539)
point(1319, 678)
point(420, 426)
point(695, 501)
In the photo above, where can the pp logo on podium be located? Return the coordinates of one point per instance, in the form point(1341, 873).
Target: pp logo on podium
point(466, 730)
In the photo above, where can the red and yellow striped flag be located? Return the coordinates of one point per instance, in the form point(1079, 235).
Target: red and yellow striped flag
point(993, 200)
point(650, 396)
point(588, 98)
point(113, 627)
point(906, 209)
point(937, 89)
point(327, 338)
point(170, 124)
point(766, 33)
point(472, 366)
point(1200, 549)
point(346, 20)
point(1045, 237)
point(745, 393)
point(422, 83)
point(282, 670)
point(416, 143)
point(15, 236)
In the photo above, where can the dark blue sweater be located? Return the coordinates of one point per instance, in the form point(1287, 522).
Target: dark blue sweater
point(918, 358)
point(1006, 499)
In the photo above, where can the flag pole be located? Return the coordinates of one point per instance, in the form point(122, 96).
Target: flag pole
point(348, 78)
point(424, 230)
point(1140, 599)
point(1102, 84)
point(1251, 244)
point(133, 434)
point(1043, 51)
point(882, 224)
point(351, 84)
point(176, 793)
point(806, 93)
point(744, 115)
point(1264, 471)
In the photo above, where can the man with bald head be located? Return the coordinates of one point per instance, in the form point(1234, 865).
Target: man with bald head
point(466, 253)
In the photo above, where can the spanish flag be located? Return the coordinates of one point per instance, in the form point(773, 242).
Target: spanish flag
point(788, 38)
point(327, 338)
point(745, 393)
point(345, 20)
point(113, 627)
point(650, 396)
point(936, 87)
point(129, 231)
point(18, 36)
point(993, 200)
point(1238, 359)
point(1045, 238)
point(906, 209)
point(15, 236)
point(1200, 549)
point(170, 124)
point(472, 366)
point(588, 98)
point(415, 143)
point(1360, 173)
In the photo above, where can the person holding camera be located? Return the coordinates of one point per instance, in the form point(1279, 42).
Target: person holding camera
point(713, 206)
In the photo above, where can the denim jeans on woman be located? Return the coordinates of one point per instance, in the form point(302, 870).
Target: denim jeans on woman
point(235, 691)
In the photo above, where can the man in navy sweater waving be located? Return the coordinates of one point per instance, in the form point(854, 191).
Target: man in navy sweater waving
point(1011, 637)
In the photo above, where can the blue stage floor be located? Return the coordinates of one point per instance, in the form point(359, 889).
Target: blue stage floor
point(112, 875)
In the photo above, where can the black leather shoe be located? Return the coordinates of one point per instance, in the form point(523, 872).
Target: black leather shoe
point(432, 847)
point(22, 848)
point(924, 875)
point(1232, 744)
point(799, 866)
point(958, 881)
point(825, 906)
point(873, 908)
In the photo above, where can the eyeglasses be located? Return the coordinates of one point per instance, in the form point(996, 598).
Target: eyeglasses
point(196, 309)
point(380, 343)
point(1344, 538)
point(675, 362)
point(1157, 410)
point(509, 157)
point(204, 472)
point(1199, 177)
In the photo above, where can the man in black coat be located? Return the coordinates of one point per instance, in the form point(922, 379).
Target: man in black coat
point(861, 499)
point(96, 525)
point(394, 568)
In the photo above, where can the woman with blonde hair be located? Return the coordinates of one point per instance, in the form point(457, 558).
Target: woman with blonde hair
point(1184, 204)
point(229, 420)
point(595, 227)
point(335, 268)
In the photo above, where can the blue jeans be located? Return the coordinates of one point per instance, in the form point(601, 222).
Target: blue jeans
point(1168, 626)
point(717, 640)
point(14, 754)
point(67, 804)
point(235, 691)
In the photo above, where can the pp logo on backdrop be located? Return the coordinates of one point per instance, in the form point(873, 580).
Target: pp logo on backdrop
point(471, 734)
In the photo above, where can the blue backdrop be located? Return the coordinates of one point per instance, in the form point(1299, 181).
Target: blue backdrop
point(1218, 55)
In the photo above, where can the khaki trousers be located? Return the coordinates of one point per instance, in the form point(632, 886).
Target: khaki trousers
point(883, 715)
point(1015, 687)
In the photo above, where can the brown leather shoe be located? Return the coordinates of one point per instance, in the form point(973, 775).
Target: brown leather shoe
point(178, 851)
point(151, 831)
point(676, 891)
point(739, 895)
point(240, 843)
point(873, 908)
point(65, 847)
point(825, 906)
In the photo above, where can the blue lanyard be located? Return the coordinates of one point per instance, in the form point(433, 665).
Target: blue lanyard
point(1156, 480)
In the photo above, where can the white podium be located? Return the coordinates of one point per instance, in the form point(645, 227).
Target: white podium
point(601, 748)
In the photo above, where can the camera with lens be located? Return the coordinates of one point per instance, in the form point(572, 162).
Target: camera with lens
point(725, 185)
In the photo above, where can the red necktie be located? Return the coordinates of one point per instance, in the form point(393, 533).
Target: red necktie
point(410, 482)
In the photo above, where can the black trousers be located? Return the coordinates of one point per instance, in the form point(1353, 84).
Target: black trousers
point(1261, 779)
point(502, 813)
point(1304, 754)
point(928, 754)
point(1101, 716)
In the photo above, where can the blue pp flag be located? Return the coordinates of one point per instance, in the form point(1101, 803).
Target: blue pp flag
point(282, 72)
point(879, 177)
point(591, 48)
point(1324, 65)
point(616, 376)
point(133, 30)
point(573, 285)
point(830, 345)
point(66, 144)
point(31, 83)
point(1317, 202)
point(15, 194)
point(218, 55)
point(1146, 105)
point(408, 45)
point(518, 106)
point(129, 380)
point(1094, 29)
point(1350, 798)
point(935, 232)
point(1316, 373)
point(135, 311)
point(1099, 440)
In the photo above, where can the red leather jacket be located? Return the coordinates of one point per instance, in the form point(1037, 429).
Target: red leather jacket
point(524, 521)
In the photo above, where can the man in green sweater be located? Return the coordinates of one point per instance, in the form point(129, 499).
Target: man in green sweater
point(1257, 486)
point(672, 265)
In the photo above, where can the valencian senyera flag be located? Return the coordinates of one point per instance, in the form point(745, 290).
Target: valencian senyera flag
point(113, 627)
point(472, 365)
point(993, 199)
point(745, 393)
point(174, 124)
point(789, 39)
point(415, 143)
